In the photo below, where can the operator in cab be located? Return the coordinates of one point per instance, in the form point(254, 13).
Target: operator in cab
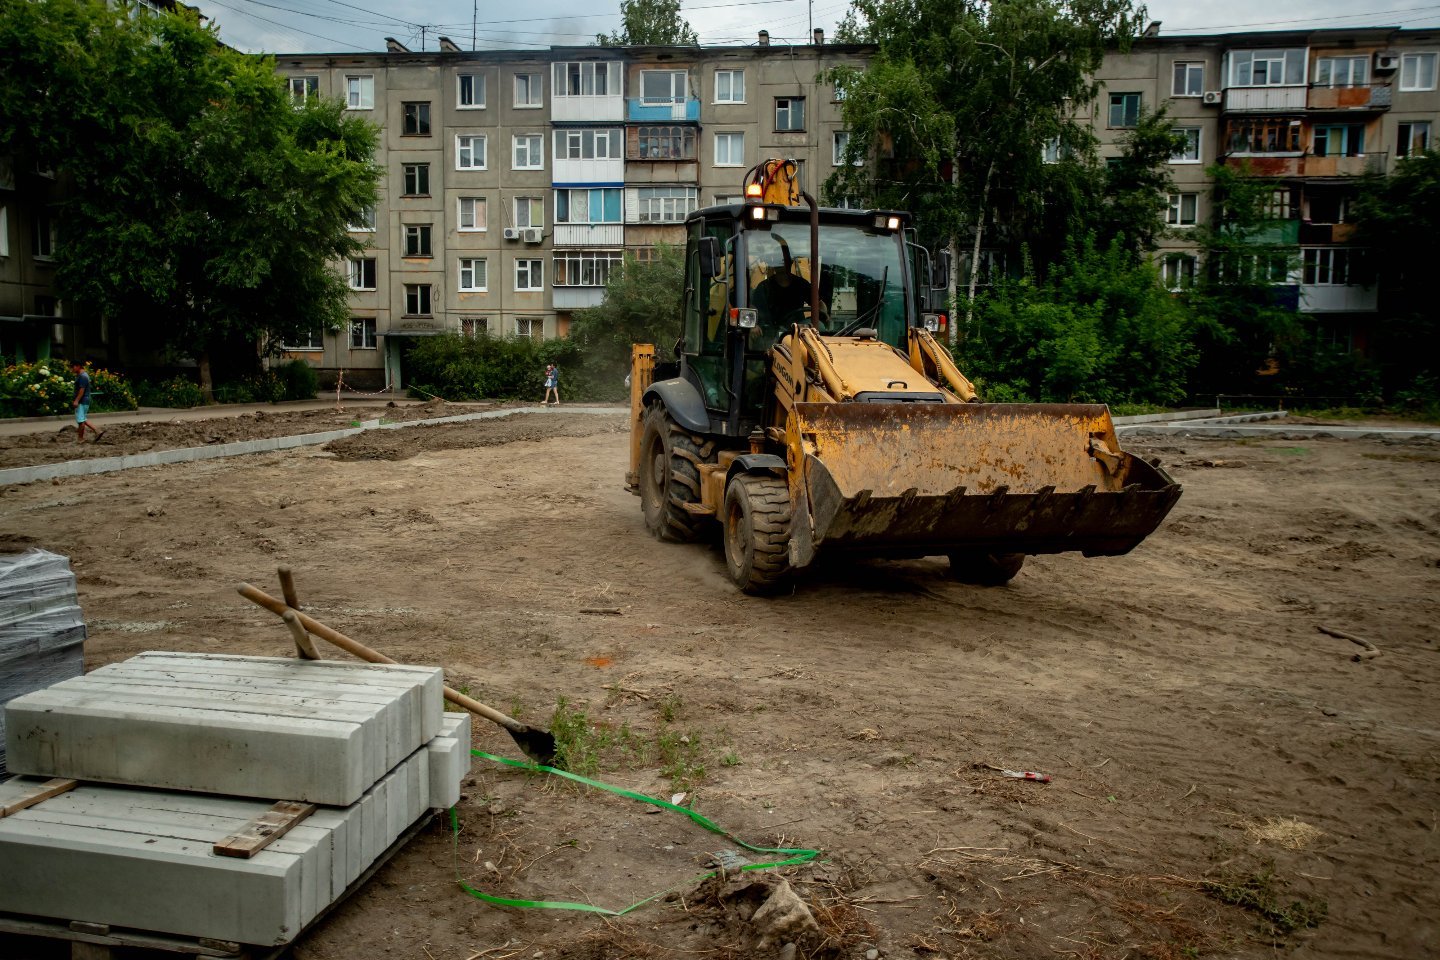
point(782, 296)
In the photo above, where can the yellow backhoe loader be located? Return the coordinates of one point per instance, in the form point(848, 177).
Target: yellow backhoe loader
point(810, 408)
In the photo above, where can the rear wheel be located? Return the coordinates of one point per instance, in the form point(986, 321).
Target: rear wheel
point(670, 459)
point(986, 569)
point(757, 532)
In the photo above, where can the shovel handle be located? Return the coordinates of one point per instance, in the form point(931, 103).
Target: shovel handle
point(260, 597)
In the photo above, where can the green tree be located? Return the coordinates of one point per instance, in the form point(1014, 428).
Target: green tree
point(964, 95)
point(650, 23)
point(641, 305)
point(204, 211)
point(1137, 184)
point(1398, 219)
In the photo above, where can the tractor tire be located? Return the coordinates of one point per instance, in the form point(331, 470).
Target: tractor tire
point(757, 533)
point(670, 459)
point(986, 569)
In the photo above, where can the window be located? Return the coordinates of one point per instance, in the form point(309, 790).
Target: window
point(474, 327)
point(729, 149)
point(840, 141)
point(1342, 71)
point(417, 299)
point(42, 236)
point(665, 143)
point(1124, 109)
point(725, 198)
point(587, 79)
point(4, 232)
point(646, 255)
point(1189, 80)
point(360, 93)
point(362, 273)
point(472, 215)
point(1326, 266)
point(729, 86)
point(473, 276)
point(1414, 139)
point(470, 152)
point(1326, 207)
point(362, 333)
point(529, 90)
point(586, 268)
point(1190, 153)
point(417, 120)
point(662, 86)
point(1181, 212)
point(789, 114)
point(1267, 68)
point(470, 91)
point(529, 212)
point(1263, 136)
point(1279, 205)
point(529, 275)
point(1340, 140)
point(364, 221)
point(587, 144)
point(663, 205)
point(303, 88)
point(417, 180)
point(588, 205)
point(417, 240)
point(1264, 267)
point(1054, 151)
point(531, 328)
point(307, 340)
point(1417, 71)
point(529, 152)
point(1178, 271)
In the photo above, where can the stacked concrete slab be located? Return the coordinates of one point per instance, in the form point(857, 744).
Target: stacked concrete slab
point(221, 738)
point(42, 634)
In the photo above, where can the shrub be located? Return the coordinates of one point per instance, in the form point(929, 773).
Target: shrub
point(47, 388)
point(176, 393)
point(110, 392)
point(456, 367)
point(299, 380)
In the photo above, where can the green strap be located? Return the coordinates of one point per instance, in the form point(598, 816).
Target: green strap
point(791, 855)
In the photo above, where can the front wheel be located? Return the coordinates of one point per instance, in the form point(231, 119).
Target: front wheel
point(757, 533)
point(670, 459)
point(986, 569)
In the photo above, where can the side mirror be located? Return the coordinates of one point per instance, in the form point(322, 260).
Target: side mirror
point(709, 250)
point(940, 270)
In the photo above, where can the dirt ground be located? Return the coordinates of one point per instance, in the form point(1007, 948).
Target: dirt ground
point(1228, 781)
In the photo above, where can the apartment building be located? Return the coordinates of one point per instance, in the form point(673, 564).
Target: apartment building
point(515, 181)
point(1308, 112)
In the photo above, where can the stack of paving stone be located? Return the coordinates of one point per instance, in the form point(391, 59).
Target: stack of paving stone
point(42, 635)
point(175, 753)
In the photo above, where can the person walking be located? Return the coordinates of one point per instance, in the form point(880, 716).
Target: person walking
point(552, 384)
point(82, 403)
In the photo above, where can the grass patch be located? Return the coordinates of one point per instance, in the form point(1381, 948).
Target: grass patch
point(1262, 893)
point(588, 747)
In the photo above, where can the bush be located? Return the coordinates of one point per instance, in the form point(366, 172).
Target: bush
point(299, 380)
point(47, 388)
point(176, 393)
point(457, 368)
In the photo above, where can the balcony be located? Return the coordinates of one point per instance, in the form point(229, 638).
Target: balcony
point(1308, 165)
point(575, 298)
point(661, 111)
point(1338, 298)
point(589, 235)
point(1370, 98)
point(1258, 99)
point(608, 107)
point(608, 171)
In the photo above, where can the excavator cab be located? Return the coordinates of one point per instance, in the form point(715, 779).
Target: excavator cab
point(810, 408)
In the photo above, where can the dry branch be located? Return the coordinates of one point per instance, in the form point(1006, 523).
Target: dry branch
point(1371, 651)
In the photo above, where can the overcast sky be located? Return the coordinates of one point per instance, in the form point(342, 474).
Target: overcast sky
point(332, 26)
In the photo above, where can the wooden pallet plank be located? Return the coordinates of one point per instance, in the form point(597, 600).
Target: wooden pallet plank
point(264, 829)
point(43, 791)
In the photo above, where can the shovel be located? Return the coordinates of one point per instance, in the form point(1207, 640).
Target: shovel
point(539, 745)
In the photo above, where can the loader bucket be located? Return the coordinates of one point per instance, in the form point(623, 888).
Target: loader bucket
point(912, 480)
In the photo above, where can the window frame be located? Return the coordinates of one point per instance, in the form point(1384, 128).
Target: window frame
point(4, 230)
point(423, 302)
point(1417, 57)
point(681, 199)
point(536, 325)
point(1291, 60)
point(586, 72)
point(1352, 139)
point(577, 140)
point(1177, 80)
point(600, 264)
point(468, 265)
point(537, 94)
point(788, 110)
point(478, 205)
point(465, 143)
point(732, 74)
point(417, 240)
point(1352, 61)
point(477, 84)
point(1405, 144)
point(314, 343)
point(672, 97)
point(535, 147)
point(1122, 100)
point(839, 141)
point(1172, 277)
point(368, 340)
point(658, 142)
point(367, 220)
point(359, 267)
point(1176, 207)
point(420, 179)
point(415, 118)
point(1337, 261)
point(731, 137)
point(1198, 141)
point(310, 88)
point(563, 210)
point(43, 237)
point(531, 203)
point(365, 93)
point(1257, 127)
point(528, 268)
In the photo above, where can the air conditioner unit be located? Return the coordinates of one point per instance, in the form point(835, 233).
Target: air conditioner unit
point(1211, 98)
point(1386, 62)
point(512, 233)
point(532, 234)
